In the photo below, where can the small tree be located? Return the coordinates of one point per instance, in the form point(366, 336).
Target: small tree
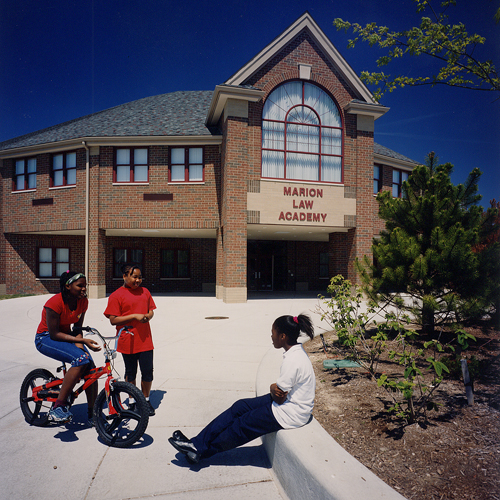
point(426, 250)
point(434, 38)
point(416, 371)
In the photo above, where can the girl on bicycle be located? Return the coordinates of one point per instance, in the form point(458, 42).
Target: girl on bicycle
point(288, 405)
point(55, 339)
point(133, 305)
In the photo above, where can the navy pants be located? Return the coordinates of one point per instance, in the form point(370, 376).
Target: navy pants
point(246, 420)
point(145, 360)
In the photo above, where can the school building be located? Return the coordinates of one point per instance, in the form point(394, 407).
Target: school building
point(265, 183)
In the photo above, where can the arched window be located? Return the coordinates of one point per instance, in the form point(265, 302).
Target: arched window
point(301, 134)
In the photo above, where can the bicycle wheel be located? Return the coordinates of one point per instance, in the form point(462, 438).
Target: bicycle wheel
point(128, 426)
point(35, 412)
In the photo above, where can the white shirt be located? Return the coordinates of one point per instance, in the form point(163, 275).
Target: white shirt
point(298, 379)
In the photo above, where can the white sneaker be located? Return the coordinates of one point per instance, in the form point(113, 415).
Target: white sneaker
point(60, 415)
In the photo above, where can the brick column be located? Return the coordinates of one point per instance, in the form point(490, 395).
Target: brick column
point(3, 241)
point(358, 178)
point(232, 237)
point(219, 279)
point(365, 221)
point(97, 239)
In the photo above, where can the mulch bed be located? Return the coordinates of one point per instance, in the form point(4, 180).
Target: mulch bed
point(454, 454)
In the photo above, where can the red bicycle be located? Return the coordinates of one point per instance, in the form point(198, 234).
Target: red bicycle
point(121, 412)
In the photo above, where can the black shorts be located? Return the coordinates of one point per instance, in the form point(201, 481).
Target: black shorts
point(145, 360)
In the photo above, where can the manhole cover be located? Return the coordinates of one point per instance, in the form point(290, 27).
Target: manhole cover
point(216, 317)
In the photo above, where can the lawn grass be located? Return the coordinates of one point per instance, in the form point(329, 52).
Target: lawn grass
point(15, 295)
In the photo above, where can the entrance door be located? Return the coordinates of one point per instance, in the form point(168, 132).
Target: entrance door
point(260, 272)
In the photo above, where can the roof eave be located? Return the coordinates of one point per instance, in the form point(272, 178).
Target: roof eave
point(155, 140)
point(224, 92)
point(364, 108)
point(394, 162)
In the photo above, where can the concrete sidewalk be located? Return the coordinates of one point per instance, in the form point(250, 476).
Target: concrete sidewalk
point(201, 367)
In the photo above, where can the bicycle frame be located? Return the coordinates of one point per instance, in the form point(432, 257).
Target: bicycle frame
point(120, 413)
point(44, 393)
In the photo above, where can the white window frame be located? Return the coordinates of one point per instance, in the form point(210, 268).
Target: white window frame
point(186, 164)
point(302, 134)
point(131, 165)
point(28, 175)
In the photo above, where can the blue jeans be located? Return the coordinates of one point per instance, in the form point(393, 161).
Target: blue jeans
point(246, 420)
point(65, 352)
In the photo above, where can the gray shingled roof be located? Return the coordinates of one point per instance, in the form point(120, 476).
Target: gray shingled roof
point(382, 150)
point(175, 114)
point(180, 113)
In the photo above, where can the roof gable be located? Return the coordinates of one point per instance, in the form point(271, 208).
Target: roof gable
point(305, 22)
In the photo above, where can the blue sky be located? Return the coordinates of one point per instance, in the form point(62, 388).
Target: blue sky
point(60, 60)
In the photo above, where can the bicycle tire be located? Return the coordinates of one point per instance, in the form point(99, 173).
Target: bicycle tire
point(126, 428)
point(35, 412)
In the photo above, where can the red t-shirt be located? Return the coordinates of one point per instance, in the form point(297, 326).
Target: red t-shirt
point(66, 315)
point(123, 302)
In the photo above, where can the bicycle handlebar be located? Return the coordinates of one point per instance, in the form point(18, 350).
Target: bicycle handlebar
point(93, 331)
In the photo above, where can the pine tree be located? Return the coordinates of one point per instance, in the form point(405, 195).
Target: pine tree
point(426, 250)
point(488, 250)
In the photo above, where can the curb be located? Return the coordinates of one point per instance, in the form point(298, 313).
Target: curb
point(309, 463)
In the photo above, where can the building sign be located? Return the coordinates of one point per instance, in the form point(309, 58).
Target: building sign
point(300, 204)
point(302, 210)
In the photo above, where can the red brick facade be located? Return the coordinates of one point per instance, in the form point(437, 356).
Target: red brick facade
point(209, 219)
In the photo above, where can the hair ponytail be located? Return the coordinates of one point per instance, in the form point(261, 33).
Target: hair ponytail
point(291, 326)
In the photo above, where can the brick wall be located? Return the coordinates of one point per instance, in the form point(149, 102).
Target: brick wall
point(234, 203)
point(21, 261)
point(66, 212)
point(202, 253)
point(192, 205)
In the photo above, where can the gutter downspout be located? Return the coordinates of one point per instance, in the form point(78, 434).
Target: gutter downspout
point(87, 207)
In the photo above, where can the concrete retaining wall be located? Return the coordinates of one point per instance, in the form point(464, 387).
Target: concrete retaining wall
point(309, 463)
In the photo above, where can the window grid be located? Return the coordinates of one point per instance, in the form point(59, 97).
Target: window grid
point(377, 179)
point(24, 174)
point(175, 263)
point(63, 169)
point(323, 265)
point(126, 255)
point(187, 164)
point(398, 177)
point(52, 261)
point(298, 139)
point(131, 165)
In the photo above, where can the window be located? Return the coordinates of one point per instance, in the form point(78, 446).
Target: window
point(174, 263)
point(186, 164)
point(377, 180)
point(301, 134)
point(25, 174)
point(52, 262)
point(64, 169)
point(398, 177)
point(126, 255)
point(131, 165)
point(323, 265)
